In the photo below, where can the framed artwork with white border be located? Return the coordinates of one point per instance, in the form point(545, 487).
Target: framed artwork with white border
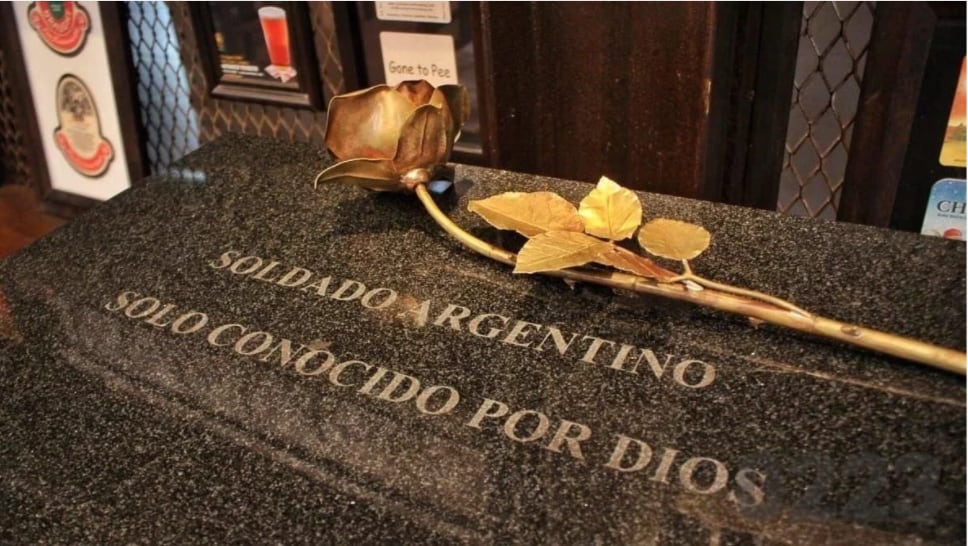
point(71, 67)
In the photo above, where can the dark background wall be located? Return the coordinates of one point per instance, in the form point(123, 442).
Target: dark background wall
point(746, 103)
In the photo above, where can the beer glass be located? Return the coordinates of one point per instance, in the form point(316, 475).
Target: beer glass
point(276, 32)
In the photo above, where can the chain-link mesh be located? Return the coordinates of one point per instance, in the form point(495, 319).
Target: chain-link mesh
point(164, 96)
point(834, 39)
point(177, 111)
point(13, 150)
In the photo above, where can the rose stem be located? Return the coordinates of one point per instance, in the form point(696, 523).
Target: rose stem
point(688, 275)
point(895, 345)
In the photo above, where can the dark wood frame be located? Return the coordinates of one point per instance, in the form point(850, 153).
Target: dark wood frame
point(350, 45)
point(889, 170)
point(304, 60)
point(757, 47)
point(114, 21)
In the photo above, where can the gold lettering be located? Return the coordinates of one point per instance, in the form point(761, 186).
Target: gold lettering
point(649, 356)
point(369, 296)
point(358, 290)
point(335, 373)
point(453, 397)
point(693, 374)
point(474, 325)
point(300, 365)
point(688, 468)
point(152, 302)
point(573, 442)
point(122, 301)
point(176, 326)
point(213, 335)
point(237, 267)
point(321, 286)
point(453, 314)
point(620, 357)
point(618, 454)
point(398, 378)
point(510, 426)
point(662, 473)
point(420, 314)
point(225, 259)
point(490, 409)
point(244, 340)
point(285, 352)
point(753, 489)
point(261, 274)
point(373, 380)
point(160, 315)
point(708, 374)
point(560, 343)
point(593, 348)
point(287, 279)
point(520, 329)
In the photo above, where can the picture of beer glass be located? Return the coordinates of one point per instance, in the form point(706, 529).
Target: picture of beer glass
point(276, 32)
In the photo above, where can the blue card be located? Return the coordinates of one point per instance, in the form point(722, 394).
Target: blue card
point(945, 215)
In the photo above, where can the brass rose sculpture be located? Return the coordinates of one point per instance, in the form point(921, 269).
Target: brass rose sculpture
point(395, 138)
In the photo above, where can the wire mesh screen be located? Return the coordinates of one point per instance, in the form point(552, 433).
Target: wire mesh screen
point(164, 96)
point(177, 111)
point(834, 38)
point(14, 164)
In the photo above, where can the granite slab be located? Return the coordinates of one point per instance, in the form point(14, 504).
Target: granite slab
point(226, 355)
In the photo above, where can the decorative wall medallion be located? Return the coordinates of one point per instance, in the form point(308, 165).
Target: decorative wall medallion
point(78, 134)
point(62, 26)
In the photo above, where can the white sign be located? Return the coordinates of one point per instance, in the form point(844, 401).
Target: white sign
point(409, 56)
point(89, 64)
point(417, 12)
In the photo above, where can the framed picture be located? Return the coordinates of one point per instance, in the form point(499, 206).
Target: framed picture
point(258, 51)
point(71, 74)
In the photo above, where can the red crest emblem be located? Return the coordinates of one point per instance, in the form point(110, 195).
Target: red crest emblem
point(62, 26)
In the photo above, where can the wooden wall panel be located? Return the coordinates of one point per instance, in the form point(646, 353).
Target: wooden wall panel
point(622, 89)
point(911, 75)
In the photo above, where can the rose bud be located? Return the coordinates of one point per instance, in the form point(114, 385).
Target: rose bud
point(393, 138)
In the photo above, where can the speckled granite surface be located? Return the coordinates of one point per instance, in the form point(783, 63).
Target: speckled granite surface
point(123, 422)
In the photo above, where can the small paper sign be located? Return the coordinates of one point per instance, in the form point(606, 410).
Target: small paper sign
point(945, 215)
point(416, 12)
point(408, 56)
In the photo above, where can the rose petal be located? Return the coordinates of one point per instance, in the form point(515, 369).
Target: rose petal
point(372, 174)
point(459, 102)
point(417, 91)
point(439, 99)
point(423, 141)
point(367, 123)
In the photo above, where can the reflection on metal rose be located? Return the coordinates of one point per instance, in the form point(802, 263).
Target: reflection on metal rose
point(393, 138)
